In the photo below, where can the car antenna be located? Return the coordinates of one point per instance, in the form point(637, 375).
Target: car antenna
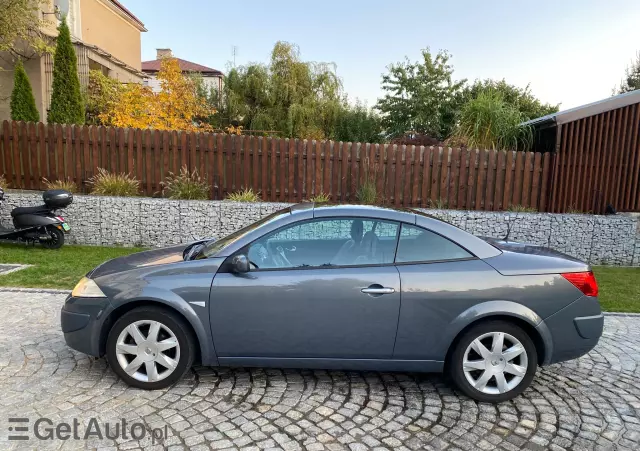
point(506, 237)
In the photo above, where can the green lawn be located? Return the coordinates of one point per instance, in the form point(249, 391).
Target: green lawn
point(61, 268)
point(619, 288)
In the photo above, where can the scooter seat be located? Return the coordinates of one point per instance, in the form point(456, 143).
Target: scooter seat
point(18, 211)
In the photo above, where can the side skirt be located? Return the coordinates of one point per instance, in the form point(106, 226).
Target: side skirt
point(427, 366)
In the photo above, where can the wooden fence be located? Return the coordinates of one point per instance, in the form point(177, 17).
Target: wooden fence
point(287, 170)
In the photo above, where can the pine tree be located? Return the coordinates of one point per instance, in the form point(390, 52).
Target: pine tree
point(66, 100)
point(23, 104)
point(631, 81)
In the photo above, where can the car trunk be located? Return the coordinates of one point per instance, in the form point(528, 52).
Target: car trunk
point(521, 258)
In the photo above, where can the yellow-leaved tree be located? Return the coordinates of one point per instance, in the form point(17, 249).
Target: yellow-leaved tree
point(176, 107)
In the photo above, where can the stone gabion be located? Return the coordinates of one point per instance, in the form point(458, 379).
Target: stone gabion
point(140, 221)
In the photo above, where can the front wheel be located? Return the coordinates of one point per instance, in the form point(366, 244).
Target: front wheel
point(493, 362)
point(150, 348)
point(56, 238)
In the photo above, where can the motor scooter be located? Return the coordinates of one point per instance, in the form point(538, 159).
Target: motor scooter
point(39, 224)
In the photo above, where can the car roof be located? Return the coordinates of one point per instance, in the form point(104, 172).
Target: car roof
point(356, 210)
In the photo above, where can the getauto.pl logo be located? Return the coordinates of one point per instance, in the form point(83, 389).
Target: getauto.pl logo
point(21, 428)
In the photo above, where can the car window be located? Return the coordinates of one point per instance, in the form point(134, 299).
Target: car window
point(326, 242)
point(419, 245)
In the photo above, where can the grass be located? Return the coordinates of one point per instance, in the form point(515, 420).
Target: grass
point(61, 268)
point(619, 288)
point(244, 195)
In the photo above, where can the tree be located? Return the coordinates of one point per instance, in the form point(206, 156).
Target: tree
point(420, 96)
point(358, 123)
point(23, 104)
point(631, 81)
point(20, 28)
point(521, 99)
point(101, 92)
point(66, 99)
point(176, 107)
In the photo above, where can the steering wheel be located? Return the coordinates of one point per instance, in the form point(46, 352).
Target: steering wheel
point(278, 256)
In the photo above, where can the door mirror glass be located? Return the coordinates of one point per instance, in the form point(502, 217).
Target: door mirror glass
point(240, 263)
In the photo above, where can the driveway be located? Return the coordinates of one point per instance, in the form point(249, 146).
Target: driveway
point(591, 403)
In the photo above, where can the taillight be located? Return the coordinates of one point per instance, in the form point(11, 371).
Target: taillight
point(60, 218)
point(583, 281)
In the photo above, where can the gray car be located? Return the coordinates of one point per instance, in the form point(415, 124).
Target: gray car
point(340, 287)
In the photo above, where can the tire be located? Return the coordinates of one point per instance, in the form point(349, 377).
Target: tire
point(57, 238)
point(505, 375)
point(170, 364)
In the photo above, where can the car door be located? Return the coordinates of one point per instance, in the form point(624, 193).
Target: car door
point(300, 302)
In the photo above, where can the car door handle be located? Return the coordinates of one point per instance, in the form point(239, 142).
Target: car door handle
point(378, 290)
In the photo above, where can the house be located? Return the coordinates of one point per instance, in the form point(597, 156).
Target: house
point(596, 154)
point(212, 78)
point(106, 36)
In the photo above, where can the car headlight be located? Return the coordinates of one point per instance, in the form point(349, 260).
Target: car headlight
point(87, 288)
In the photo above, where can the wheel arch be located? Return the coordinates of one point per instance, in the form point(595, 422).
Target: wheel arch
point(202, 350)
point(508, 311)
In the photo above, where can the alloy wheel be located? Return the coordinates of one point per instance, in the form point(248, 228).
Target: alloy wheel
point(148, 351)
point(495, 363)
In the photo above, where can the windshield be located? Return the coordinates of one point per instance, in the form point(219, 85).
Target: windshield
point(211, 248)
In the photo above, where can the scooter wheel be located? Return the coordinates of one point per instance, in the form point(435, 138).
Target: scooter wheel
point(57, 238)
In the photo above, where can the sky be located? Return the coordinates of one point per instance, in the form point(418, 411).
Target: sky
point(570, 52)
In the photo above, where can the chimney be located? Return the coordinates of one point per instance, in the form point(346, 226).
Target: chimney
point(163, 53)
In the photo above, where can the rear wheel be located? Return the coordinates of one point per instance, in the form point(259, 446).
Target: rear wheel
point(150, 348)
point(56, 238)
point(493, 362)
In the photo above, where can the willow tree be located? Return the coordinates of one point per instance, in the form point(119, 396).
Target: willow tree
point(296, 98)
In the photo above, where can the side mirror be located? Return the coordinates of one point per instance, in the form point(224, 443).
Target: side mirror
point(240, 264)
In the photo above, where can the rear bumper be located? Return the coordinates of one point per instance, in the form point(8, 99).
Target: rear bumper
point(575, 330)
point(81, 320)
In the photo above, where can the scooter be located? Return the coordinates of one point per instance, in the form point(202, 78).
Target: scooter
point(39, 224)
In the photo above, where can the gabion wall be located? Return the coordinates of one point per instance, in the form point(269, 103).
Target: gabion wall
point(140, 221)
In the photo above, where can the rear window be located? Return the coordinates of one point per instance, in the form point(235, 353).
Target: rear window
point(420, 245)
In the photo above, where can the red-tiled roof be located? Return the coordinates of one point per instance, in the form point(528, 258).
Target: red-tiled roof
point(127, 12)
point(185, 66)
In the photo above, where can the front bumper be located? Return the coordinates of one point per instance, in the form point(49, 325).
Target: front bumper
point(575, 330)
point(81, 320)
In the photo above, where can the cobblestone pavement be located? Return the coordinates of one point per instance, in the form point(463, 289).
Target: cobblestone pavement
point(590, 403)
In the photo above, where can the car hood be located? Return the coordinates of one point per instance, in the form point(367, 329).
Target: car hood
point(155, 257)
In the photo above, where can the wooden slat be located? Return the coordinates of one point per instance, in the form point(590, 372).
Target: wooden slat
point(454, 175)
point(627, 176)
point(545, 181)
point(479, 188)
point(508, 181)
point(461, 201)
point(389, 162)
point(518, 179)
point(444, 175)
point(344, 170)
point(43, 170)
point(335, 172)
point(407, 176)
point(583, 199)
point(398, 175)
point(324, 159)
point(526, 179)
point(619, 181)
point(6, 151)
point(471, 179)
point(31, 157)
point(416, 175)
point(536, 176)
point(501, 163)
point(427, 154)
point(635, 161)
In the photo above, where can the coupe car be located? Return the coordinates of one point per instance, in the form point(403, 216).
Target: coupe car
point(340, 287)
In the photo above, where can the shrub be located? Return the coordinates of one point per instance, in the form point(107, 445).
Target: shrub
point(109, 184)
point(101, 93)
point(244, 195)
point(67, 184)
point(522, 209)
point(3, 182)
point(66, 99)
point(23, 104)
point(367, 193)
point(320, 198)
point(439, 204)
point(186, 185)
point(489, 122)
